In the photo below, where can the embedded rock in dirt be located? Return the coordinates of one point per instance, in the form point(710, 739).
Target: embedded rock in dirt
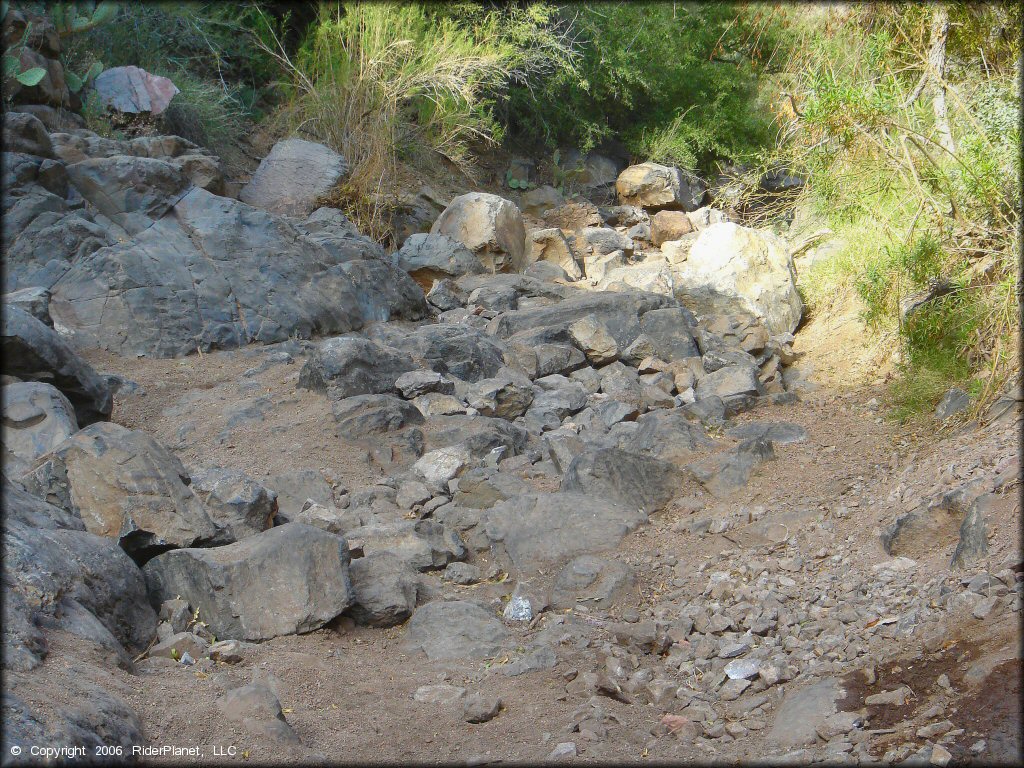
point(729, 471)
point(542, 529)
point(291, 578)
point(124, 485)
point(258, 710)
point(667, 435)
point(33, 351)
point(238, 505)
point(384, 588)
point(364, 415)
point(214, 272)
point(36, 419)
point(732, 268)
point(133, 90)
point(596, 582)
point(489, 226)
point(803, 711)
point(455, 629)
point(347, 366)
point(629, 479)
point(434, 257)
point(778, 432)
point(654, 186)
point(292, 178)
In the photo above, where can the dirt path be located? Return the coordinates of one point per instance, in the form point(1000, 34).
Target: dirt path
point(821, 504)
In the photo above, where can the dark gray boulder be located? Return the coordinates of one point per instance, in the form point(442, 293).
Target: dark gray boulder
point(479, 435)
point(736, 385)
point(666, 434)
point(670, 331)
point(33, 351)
point(384, 586)
point(293, 176)
point(36, 419)
point(290, 579)
point(629, 479)
point(434, 257)
point(458, 350)
point(347, 366)
point(364, 415)
point(238, 505)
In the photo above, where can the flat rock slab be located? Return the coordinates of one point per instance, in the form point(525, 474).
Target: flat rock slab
point(802, 712)
point(133, 90)
point(780, 432)
point(455, 629)
point(541, 529)
point(292, 177)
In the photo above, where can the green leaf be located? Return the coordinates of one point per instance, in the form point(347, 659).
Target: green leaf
point(31, 77)
point(94, 71)
point(74, 82)
point(104, 12)
point(79, 23)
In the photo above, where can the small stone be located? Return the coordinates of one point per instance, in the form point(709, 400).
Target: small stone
point(943, 682)
point(438, 694)
point(227, 651)
point(461, 573)
point(564, 750)
point(934, 729)
point(187, 659)
point(983, 608)
point(732, 689)
point(895, 698)
point(743, 669)
point(480, 708)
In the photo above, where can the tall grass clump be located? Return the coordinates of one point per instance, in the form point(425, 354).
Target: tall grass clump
point(903, 118)
point(404, 83)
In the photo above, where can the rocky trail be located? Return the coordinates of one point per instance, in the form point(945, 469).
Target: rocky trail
point(551, 481)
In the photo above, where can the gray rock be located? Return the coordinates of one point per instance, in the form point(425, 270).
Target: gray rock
point(36, 419)
point(132, 90)
point(292, 578)
point(655, 187)
point(478, 435)
point(434, 257)
point(258, 710)
point(347, 366)
point(480, 708)
point(592, 581)
point(601, 241)
point(629, 479)
point(953, 402)
point(439, 694)
point(485, 486)
point(416, 383)
point(594, 339)
point(365, 415)
point(456, 350)
point(35, 301)
point(463, 574)
point(727, 472)
point(293, 488)
point(489, 226)
point(802, 712)
point(666, 435)
point(550, 248)
point(736, 385)
point(384, 586)
point(538, 530)
point(293, 176)
point(423, 545)
point(455, 629)
point(26, 133)
point(670, 333)
point(238, 505)
point(972, 542)
point(32, 351)
point(124, 485)
point(507, 395)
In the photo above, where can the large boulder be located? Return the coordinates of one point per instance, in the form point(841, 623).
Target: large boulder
point(126, 486)
point(132, 90)
point(293, 578)
point(347, 366)
point(26, 133)
point(488, 225)
point(551, 246)
point(539, 530)
point(434, 257)
point(214, 272)
point(34, 351)
point(628, 479)
point(365, 415)
point(737, 269)
point(653, 186)
point(56, 574)
point(384, 586)
point(293, 176)
point(36, 419)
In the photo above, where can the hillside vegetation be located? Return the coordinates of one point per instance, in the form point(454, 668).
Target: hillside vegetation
point(902, 121)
